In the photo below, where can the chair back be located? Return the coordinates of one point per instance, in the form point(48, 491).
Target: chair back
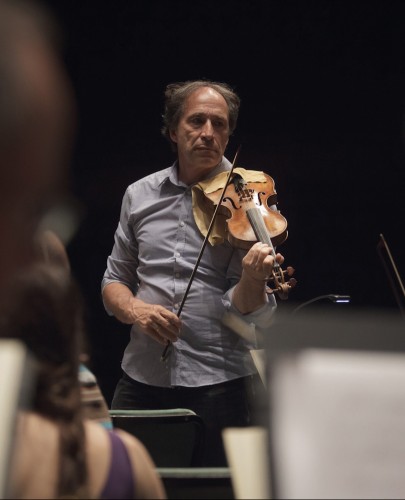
point(174, 437)
point(197, 482)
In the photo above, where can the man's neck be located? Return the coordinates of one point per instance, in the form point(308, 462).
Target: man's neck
point(191, 174)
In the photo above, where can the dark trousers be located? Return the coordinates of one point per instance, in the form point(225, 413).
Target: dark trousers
point(220, 405)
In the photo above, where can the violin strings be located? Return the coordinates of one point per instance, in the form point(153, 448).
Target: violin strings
point(255, 217)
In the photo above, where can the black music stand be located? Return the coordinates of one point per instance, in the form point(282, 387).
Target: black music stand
point(392, 273)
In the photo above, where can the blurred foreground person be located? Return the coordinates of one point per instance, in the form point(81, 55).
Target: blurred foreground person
point(58, 453)
point(37, 115)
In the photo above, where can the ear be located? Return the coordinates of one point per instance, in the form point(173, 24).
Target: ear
point(173, 135)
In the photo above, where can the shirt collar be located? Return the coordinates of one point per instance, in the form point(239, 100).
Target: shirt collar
point(173, 175)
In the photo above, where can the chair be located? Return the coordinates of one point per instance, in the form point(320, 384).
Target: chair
point(174, 437)
point(197, 482)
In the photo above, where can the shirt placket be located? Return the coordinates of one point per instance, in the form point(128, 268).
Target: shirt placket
point(179, 269)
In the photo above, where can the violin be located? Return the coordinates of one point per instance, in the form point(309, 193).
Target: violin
point(251, 218)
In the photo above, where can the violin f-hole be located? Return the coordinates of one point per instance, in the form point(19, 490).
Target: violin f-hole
point(230, 200)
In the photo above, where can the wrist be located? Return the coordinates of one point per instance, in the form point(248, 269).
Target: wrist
point(250, 282)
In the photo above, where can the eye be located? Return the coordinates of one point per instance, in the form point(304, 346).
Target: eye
point(218, 123)
point(197, 120)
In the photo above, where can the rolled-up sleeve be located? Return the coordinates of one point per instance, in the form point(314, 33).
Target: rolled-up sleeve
point(123, 262)
point(260, 318)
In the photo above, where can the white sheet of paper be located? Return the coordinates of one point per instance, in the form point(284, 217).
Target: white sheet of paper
point(338, 424)
point(14, 371)
point(259, 359)
point(247, 454)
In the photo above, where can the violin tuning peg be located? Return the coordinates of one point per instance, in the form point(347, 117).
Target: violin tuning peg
point(290, 270)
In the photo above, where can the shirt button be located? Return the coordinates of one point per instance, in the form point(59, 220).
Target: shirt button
point(177, 275)
point(176, 305)
point(182, 224)
point(177, 254)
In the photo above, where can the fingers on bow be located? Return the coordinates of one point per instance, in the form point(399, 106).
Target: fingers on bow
point(164, 326)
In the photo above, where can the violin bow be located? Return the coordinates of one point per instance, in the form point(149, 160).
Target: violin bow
point(168, 346)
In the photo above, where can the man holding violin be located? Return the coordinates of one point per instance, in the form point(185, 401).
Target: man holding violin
point(208, 367)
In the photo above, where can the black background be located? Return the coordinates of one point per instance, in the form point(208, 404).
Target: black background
point(322, 90)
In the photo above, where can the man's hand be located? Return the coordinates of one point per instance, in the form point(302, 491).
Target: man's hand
point(258, 263)
point(156, 321)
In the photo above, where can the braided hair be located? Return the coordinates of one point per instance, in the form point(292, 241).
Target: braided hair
point(45, 312)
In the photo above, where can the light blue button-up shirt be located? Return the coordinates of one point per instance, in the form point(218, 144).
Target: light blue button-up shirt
point(156, 246)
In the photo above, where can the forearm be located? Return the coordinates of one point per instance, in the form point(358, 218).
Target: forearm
point(121, 302)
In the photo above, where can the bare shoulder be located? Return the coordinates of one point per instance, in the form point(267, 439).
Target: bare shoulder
point(147, 481)
point(35, 454)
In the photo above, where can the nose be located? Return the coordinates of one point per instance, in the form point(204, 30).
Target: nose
point(207, 131)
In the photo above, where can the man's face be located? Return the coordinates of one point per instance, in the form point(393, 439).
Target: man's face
point(202, 133)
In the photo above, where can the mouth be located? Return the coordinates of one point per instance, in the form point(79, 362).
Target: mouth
point(205, 148)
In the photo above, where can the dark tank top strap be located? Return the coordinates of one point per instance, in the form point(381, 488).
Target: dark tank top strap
point(120, 482)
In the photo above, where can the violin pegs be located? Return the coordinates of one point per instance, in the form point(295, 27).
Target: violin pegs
point(290, 270)
point(282, 287)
